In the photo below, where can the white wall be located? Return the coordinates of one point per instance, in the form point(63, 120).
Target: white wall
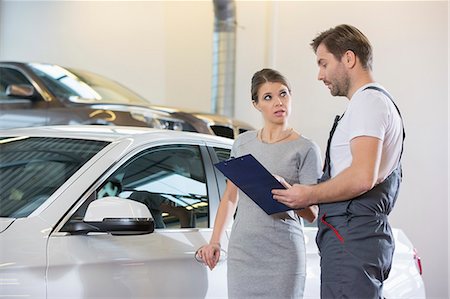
point(163, 51)
point(143, 45)
point(448, 144)
point(188, 29)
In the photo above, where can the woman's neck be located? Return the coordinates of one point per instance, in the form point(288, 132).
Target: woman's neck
point(275, 133)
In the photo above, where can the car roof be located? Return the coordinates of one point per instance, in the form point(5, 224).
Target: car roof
point(109, 133)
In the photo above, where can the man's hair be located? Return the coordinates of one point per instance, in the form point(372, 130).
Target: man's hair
point(263, 76)
point(342, 38)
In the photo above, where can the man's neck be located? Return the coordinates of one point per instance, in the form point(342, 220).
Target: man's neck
point(360, 79)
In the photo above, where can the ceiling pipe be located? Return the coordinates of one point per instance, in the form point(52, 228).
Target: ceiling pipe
point(224, 57)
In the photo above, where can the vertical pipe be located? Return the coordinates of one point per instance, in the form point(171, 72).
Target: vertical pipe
point(224, 57)
point(271, 33)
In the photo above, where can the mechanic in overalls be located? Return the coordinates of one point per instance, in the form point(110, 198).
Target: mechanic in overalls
point(362, 171)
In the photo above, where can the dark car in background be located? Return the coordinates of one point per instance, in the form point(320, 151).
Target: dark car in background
point(38, 94)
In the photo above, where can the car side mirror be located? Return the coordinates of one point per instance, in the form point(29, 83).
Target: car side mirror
point(20, 90)
point(117, 216)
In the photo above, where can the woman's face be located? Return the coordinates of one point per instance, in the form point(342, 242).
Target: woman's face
point(274, 102)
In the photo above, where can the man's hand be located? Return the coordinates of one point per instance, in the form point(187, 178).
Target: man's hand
point(296, 197)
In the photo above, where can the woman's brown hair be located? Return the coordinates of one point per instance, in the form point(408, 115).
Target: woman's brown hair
point(264, 76)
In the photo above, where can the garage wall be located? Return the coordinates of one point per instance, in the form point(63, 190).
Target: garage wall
point(139, 44)
point(448, 146)
point(162, 50)
point(189, 44)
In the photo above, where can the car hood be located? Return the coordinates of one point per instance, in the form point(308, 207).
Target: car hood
point(167, 109)
point(207, 117)
point(197, 119)
point(5, 223)
point(220, 119)
point(128, 107)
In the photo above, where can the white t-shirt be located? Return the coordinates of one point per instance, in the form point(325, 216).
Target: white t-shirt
point(369, 113)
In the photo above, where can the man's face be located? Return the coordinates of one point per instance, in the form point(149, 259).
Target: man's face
point(332, 72)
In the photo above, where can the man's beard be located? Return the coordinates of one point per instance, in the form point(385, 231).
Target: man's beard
point(340, 87)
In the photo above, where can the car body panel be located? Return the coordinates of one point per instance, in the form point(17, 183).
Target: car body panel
point(24, 263)
point(14, 114)
point(5, 223)
point(128, 268)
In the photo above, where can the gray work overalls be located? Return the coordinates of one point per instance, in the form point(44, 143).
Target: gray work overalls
point(354, 237)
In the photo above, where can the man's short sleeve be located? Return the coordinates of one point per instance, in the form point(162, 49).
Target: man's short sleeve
point(368, 116)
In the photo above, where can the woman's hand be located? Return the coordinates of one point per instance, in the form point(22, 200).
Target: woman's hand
point(209, 254)
point(282, 181)
point(310, 213)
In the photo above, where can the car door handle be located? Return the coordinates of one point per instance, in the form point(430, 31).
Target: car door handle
point(222, 258)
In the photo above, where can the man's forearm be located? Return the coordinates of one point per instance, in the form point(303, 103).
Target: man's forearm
point(346, 185)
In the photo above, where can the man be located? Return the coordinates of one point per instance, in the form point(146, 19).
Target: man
point(362, 171)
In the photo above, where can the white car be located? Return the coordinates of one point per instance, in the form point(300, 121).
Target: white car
point(118, 212)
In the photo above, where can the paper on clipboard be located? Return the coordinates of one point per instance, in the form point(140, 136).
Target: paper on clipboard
point(254, 180)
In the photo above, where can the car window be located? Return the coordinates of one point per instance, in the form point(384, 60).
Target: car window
point(9, 76)
point(222, 153)
point(223, 131)
point(33, 168)
point(82, 86)
point(170, 180)
point(241, 130)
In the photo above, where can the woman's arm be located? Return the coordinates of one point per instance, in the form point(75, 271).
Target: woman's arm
point(310, 213)
point(210, 253)
point(310, 171)
point(226, 210)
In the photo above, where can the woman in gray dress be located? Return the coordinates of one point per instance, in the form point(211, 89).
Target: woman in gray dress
point(266, 253)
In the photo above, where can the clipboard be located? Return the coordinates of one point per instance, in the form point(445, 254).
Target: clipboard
point(255, 181)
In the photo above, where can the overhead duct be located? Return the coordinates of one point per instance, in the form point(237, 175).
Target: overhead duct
point(224, 57)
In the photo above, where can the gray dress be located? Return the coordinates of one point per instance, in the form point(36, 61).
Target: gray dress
point(266, 253)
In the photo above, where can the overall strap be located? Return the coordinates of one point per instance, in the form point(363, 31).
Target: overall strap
point(327, 165)
point(398, 110)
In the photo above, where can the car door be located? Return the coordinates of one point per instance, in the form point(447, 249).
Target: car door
point(177, 183)
point(16, 112)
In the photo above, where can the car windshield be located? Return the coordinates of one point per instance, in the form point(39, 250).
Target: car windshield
point(84, 87)
point(33, 168)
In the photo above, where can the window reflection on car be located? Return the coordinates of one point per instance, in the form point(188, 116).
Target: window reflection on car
point(83, 86)
point(170, 180)
point(34, 168)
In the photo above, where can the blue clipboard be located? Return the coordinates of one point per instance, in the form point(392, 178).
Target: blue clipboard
point(254, 180)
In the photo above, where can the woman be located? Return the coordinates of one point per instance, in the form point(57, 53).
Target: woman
point(266, 253)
